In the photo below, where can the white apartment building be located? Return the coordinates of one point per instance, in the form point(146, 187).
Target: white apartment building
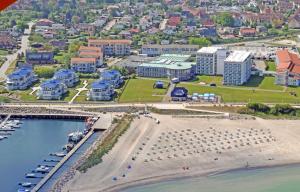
point(112, 47)
point(237, 68)
point(210, 61)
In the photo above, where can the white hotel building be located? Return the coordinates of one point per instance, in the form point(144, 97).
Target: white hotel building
point(210, 60)
point(237, 68)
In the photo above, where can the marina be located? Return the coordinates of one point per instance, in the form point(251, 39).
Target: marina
point(26, 152)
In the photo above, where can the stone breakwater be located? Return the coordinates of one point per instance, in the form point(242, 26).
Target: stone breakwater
point(71, 172)
point(35, 110)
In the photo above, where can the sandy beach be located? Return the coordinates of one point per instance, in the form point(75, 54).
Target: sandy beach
point(187, 147)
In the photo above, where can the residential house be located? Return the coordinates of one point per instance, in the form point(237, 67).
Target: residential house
point(52, 89)
point(67, 76)
point(21, 79)
point(7, 41)
point(39, 57)
point(247, 32)
point(288, 68)
point(237, 68)
point(111, 47)
point(101, 90)
point(84, 65)
point(112, 76)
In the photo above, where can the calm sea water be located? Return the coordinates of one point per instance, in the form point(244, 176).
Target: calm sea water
point(280, 179)
point(28, 146)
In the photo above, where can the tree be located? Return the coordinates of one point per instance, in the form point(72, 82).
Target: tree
point(201, 41)
point(224, 19)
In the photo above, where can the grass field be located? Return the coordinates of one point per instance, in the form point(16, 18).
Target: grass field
point(258, 89)
point(11, 67)
point(141, 90)
point(271, 66)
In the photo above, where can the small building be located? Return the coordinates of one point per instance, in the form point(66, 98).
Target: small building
point(21, 79)
point(67, 76)
point(52, 89)
point(101, 90)
point(158, 85)
point(83, 65)
point(179, 94)
point(39, 57)
point(113, 76)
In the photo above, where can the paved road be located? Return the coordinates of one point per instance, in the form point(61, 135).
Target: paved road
point(12, 57)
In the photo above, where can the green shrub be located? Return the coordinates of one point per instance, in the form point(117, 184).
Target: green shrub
point(44, 72)
point(258, 107)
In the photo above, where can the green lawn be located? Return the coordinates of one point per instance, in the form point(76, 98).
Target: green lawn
point(141, 90)
point(3, 52)
point(209, 79)
point(230, 94)
point(269, 83)
point(271, 66)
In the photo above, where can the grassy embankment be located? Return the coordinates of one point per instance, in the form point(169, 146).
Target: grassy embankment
point(120, 126)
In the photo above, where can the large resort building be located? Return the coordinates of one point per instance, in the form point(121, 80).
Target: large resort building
point(168, 66)
point(68, 77)
point(153, 50)
point(237, 68)
point(210, 60)
point(52, 89)
point(288, 68)
point(21, 79)
point(112, 76)
point(111, 47)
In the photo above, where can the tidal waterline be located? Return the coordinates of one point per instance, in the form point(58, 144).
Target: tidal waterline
point(28, 146)
point(277, 179)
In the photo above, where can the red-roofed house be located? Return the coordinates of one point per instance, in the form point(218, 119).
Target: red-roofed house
point(173, 22)
point(247, 32)
point(288, 68)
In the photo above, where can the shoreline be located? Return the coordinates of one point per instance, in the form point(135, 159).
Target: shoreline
point(176, 176)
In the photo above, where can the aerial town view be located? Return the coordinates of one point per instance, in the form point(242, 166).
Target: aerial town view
point(149, 95)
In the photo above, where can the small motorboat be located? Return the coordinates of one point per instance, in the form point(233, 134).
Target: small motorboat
point(42, 169)
point(75, 136)
point(26, 184)
point(58, 154)
point(30, 175)
point(23, 190)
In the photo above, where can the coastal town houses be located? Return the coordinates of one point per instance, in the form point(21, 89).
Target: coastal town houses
point(210, 60)
point(67, 76)
point(7, 41)
point(113, 76)
point(237, 68)
point(39, 57)
point(52, 89)
point(153, 50)
point(288, 68)
point(92, 52)
point(101, 90)
point(21, 79)
point(170, 66)
point(83, 65)
point(111, 47)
